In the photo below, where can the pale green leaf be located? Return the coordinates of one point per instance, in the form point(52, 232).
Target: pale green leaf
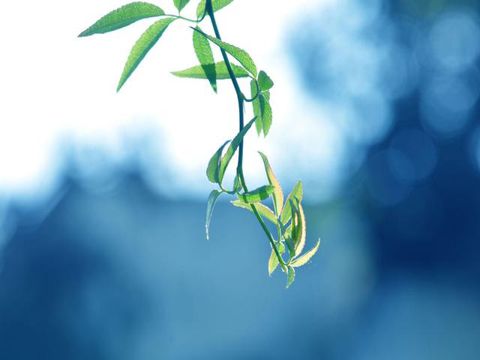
point(256, 107)
point(216, 5)
point(123, 16)
point(300, 233)
point(197, 72)
point(212, 199)
point(143, 45)
point(257, 195)
point(290, 276)
point(237, 184)
point(273, 261)
point(262, 209)
point(266, 111)
point(205, 56)
point(213, 168)
point(180, 4)
point(232, 149)
point(302, 260)
point(239, 54)
point(297, 195)
point(272, 179)
point(264, 81)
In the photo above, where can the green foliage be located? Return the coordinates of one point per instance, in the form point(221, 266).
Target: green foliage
point(287, 216)
point(124, 16)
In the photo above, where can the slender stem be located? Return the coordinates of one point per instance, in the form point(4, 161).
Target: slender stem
point(184, 18)
point(240, 100)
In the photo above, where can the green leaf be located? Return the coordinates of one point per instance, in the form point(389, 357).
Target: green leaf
point(296, 194)
point(257, 195)
point(143, 45)
point(214, 165)
point(212, 200)
point(264, 81)
point(302, 260)
point(256, 107)
point(262, 209)
point(266, 111)
point(273, 261)
point(216, 4)
point(272, 179)
point(205, 56)
point(232, 149)
point(290, 276)
point(123, 16)
point(197, 72)
point(239, 54)
point(180, 4)
point(237, 184)
point(299, 232)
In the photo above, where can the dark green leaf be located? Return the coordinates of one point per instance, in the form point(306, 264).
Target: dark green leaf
point(143, 45)
point(264, 81)
point(256, 107)
point(266, 111)
point(302, 260)
point(262, 209)
point(232, 149)
point(212, 199)
point(297, 195)
point(272, 179)
point(205, 56)
point(216, 4)
point(241, 55)
point(214, 165)
point(123, 16)
point(290, 276)
point(257, 195)
point(197, 72)
point(180, 4)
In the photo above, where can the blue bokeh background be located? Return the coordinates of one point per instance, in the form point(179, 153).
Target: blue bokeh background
point(113, 264)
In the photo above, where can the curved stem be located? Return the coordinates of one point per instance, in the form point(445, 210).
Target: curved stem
point(184, 18)
point(240, 100)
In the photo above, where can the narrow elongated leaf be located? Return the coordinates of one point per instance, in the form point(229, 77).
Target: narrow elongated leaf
point(232, 149)
point(143, 45)
point(290, 276)
point(205, 56)
point(256, 107)
point(212, 200)
point(123, 16)
point(266, 111)
point(272, 179)
point(264, 81)
point(239, 54)
point(302, 260)
point(180, 4)
point(273, 261)
point(257, 195)
point(297, 195)
point(197, 72)
point(300, 234)
point(237, 184)
point(262, 209)
point(214, 165)
point(216, 4)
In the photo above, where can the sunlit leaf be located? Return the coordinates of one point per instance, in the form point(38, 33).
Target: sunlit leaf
point(296, 194)
point(290, 276)
point(262, 209)
point(216, 5)
point(213, 168)
point(205, 56)
point(212, 199)
point(180, 4)
point(302, 260)
point(232, 149)
point(256, 106)
point(273, 260)
point(266, 111)
point(257, 195)
point(239, 54)
point(143, 45)
point(123, 16)
point(197, 72)
point(264, 81)
point(272, 179)
point(300, 234)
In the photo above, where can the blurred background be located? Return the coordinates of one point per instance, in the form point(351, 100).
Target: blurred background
point(103, 195)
